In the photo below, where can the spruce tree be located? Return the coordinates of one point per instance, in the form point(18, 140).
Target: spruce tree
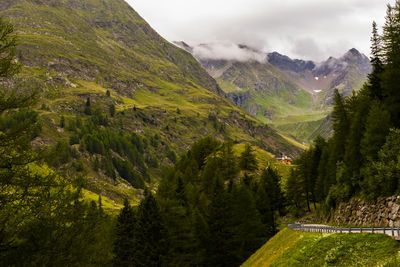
point(248, 161)
point(376, 130)
point(125, 244)
point(391, 52)
point(374, 78)
point(340, 126)
point(219, 245)
point(248, 232)
point(150, 236)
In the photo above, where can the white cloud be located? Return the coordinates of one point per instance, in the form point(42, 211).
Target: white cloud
point(227, 51)
point(330, 27)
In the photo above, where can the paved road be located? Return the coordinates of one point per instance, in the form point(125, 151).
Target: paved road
point(390, 231)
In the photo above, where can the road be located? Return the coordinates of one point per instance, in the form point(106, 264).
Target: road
point(394, 232)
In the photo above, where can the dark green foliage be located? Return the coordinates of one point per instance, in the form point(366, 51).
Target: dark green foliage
point(108, 93)
point(127, 172)
point(270, 180)
point(98, 118)
point(248, 230)
point(8, 42)
point(125, 244)
point(150, 235)
point(383, 175)
point(133, 159)
point(376, 130)
point(374, 77)
point(88, 109)
point(171, 155)
point(360, 158)
point(42, 220)
point(340, 125)
point(62, 122)
point(112, 110)
point(248, 161)
point(61, 154)
point(210, 219)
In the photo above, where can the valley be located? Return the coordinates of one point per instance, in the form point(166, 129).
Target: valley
point(121, 148)
point(293, 95)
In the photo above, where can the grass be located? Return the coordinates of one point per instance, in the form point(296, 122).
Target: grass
point(264, 160)
point(297, 248)
point(75, 52)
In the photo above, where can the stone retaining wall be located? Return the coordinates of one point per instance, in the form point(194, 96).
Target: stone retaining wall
point(382, 212)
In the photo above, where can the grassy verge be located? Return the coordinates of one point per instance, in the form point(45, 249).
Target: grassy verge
point(296, 248)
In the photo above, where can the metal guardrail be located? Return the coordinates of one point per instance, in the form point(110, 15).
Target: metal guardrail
point(390, 231)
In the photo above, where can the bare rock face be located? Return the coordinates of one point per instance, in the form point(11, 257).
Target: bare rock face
point(384, 212)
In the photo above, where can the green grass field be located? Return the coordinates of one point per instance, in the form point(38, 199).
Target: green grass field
point(296, 248)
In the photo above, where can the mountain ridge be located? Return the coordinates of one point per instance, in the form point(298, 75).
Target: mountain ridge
point(276, 89)
point(106, 79)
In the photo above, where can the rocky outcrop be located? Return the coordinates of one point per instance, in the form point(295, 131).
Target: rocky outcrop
point(382, 212)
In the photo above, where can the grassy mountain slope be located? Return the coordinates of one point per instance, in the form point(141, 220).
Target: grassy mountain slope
point(293, 94)
point(90, 57)
point(262, 90)
point(296, 248)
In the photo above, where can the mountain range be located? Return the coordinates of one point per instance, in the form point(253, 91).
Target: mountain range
point(289, 93)
point(117, 101)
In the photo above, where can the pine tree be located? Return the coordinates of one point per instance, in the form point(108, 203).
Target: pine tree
point(391, 52)
point(322, 184)
point(248, 161)
point(228, 164)
point(377, 128)
point(62, 122)
point(382, 176)
point(353, 159)
point(270, 180)
point(112, 110)
point(248, 232)
point(124, 244)
point(201, 236)
point(340, 125)
point(8, 42)
point(295, 189)
point(264, 207)
point(150, 235)
point(374, 78)
point(88, 109)
point(219, 244)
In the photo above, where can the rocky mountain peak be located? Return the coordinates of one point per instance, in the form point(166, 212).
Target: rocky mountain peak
point(285, 63)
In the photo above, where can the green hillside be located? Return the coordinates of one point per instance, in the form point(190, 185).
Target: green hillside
point(296, 248)
point(264, 91)
point(118, 102)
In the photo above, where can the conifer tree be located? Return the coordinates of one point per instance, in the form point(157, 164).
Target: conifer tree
point(391, 52)
point(377, 128)
point(264, 207)
point(374, 78)
point(219, 244)
point(248, 161)
point(340, 126)
point(248, 232)
point(125, 244)
point(150, 236)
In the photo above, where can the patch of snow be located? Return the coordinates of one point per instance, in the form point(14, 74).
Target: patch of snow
point(316, 78)
point(317, 91)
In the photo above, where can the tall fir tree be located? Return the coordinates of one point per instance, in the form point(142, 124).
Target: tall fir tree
point(374, 78)
point(248, 161)
point(150, 236)
point(125, 244)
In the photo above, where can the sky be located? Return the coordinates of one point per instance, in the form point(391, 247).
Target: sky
point(306, 29)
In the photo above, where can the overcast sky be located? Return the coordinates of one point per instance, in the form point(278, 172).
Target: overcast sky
point(307, 29)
